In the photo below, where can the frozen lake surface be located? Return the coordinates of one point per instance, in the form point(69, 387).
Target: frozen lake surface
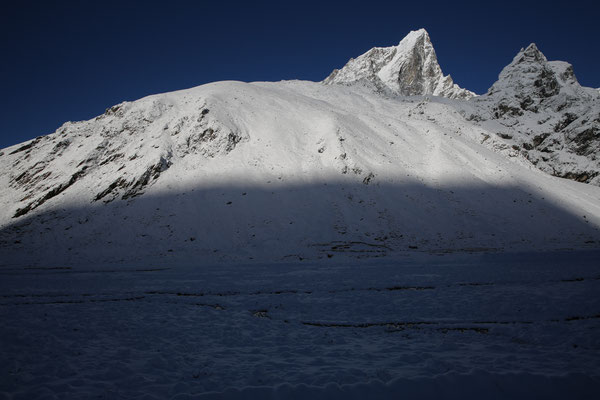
point(479, 325)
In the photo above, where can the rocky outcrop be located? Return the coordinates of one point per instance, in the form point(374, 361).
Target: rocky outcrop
point(411, 68)
point(55, 191)
point(204, 135)
point(118, 154)
point(539, 108)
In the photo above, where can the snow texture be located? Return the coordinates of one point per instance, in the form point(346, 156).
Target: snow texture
point(411, 68)
point(454, 326)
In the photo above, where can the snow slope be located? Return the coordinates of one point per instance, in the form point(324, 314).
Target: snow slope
point(411, 68)
point(276, 171)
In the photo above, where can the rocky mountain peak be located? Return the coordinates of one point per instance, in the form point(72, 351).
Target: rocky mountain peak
point(408, 69)
point(531, 78)
point(531, 53)
point(541, 109)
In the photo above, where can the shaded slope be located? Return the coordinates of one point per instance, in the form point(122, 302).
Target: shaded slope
point(242, 223)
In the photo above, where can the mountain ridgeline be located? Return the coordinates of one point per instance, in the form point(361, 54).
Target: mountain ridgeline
point(538, 107)
point(386, 155)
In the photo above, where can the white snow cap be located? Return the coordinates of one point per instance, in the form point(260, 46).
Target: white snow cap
point(413, 36)
point(410, 68)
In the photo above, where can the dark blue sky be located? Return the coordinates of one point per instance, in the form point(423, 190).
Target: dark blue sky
point(72, 60)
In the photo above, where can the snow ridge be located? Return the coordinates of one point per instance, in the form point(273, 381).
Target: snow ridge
point(408, 69)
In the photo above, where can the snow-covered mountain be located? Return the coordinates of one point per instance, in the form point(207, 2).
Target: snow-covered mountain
point(408, 69)
point(245, 172)
point(538, 108)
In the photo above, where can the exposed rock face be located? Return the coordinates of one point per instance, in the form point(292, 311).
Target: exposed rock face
point(411, 68)
point(131, 145)
point(541, 110)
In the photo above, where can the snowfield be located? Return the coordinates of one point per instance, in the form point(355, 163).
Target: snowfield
point(354, 238)
point(456, 326)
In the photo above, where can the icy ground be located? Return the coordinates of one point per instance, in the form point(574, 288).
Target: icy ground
point(457, 326)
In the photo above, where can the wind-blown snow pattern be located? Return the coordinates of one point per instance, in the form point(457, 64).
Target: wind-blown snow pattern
point(411, 68)
point(300, 240)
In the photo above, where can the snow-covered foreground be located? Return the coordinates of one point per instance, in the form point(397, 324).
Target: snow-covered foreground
point(471, 325)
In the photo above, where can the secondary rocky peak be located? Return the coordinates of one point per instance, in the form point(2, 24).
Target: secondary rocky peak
point(408, 69)
point(543, 111)
point(532, 78)
point(531, 53)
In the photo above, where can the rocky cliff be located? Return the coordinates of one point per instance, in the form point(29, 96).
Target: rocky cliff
point(539, 109)
point(410, 68)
